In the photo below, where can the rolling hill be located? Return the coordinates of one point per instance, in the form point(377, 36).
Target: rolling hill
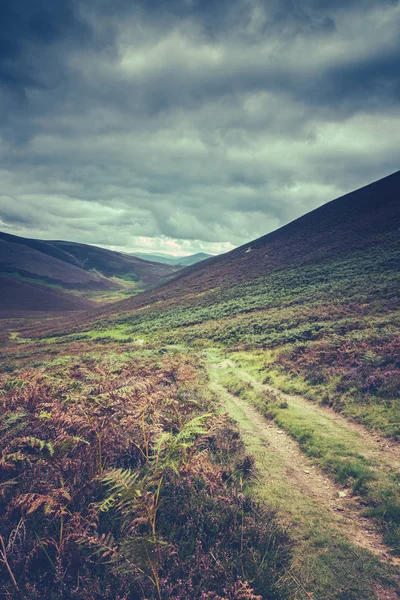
point(68, 267)
point(366, 220)
point(24, 297)
point(329, 278)
point(115, 264)
point(266, 377)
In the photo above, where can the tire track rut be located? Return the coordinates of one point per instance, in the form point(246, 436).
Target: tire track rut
point(301, 474)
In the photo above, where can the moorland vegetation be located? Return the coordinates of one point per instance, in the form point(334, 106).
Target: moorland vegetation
point(123, 474)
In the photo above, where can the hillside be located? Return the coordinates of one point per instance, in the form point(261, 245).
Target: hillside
point(115, 264)
point(366, 220)
point(22, 260)
point(329, 279)
point(232, 434)
point(94, 272)
point(18, 296)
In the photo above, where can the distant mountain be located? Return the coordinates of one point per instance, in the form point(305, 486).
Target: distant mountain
point(187, 261)
point(182, 261)
point(69, 267)
point(166, 259)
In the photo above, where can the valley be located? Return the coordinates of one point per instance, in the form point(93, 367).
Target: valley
point(58, 276)
point(230, 433)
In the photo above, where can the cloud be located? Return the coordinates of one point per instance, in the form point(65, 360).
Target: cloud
point(196, 124)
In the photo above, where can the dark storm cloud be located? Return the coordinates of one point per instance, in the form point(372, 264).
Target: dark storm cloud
point(27, 25)
point(140, 122)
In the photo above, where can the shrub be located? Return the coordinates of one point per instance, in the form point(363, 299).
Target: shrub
point(117, 482)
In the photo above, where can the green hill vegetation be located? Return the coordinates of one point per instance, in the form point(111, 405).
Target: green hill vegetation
point(230, 434)
point(75, 273)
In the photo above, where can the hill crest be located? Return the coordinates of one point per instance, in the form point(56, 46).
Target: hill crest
point(364, 217)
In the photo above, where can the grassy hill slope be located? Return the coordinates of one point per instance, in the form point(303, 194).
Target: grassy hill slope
point(366, 219)
point(319, 297)
point(18, 296)
point(115, 264)
point(142, 486)
point(91, 271)
point(17, 259)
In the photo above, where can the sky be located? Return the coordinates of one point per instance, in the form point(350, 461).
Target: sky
point(182, 126)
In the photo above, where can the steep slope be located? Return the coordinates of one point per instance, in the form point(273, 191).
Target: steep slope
point(320, 296)
point(365, 219)
point(25, 297)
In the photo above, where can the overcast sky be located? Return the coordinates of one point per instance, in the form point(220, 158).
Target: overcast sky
point(191, 125)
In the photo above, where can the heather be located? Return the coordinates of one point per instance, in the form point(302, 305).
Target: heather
point(231, 434)
point(328, 329)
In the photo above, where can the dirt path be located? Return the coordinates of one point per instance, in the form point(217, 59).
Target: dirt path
point(317, 510)
point(300, 474)
point(383, 453)
point(376, 446)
